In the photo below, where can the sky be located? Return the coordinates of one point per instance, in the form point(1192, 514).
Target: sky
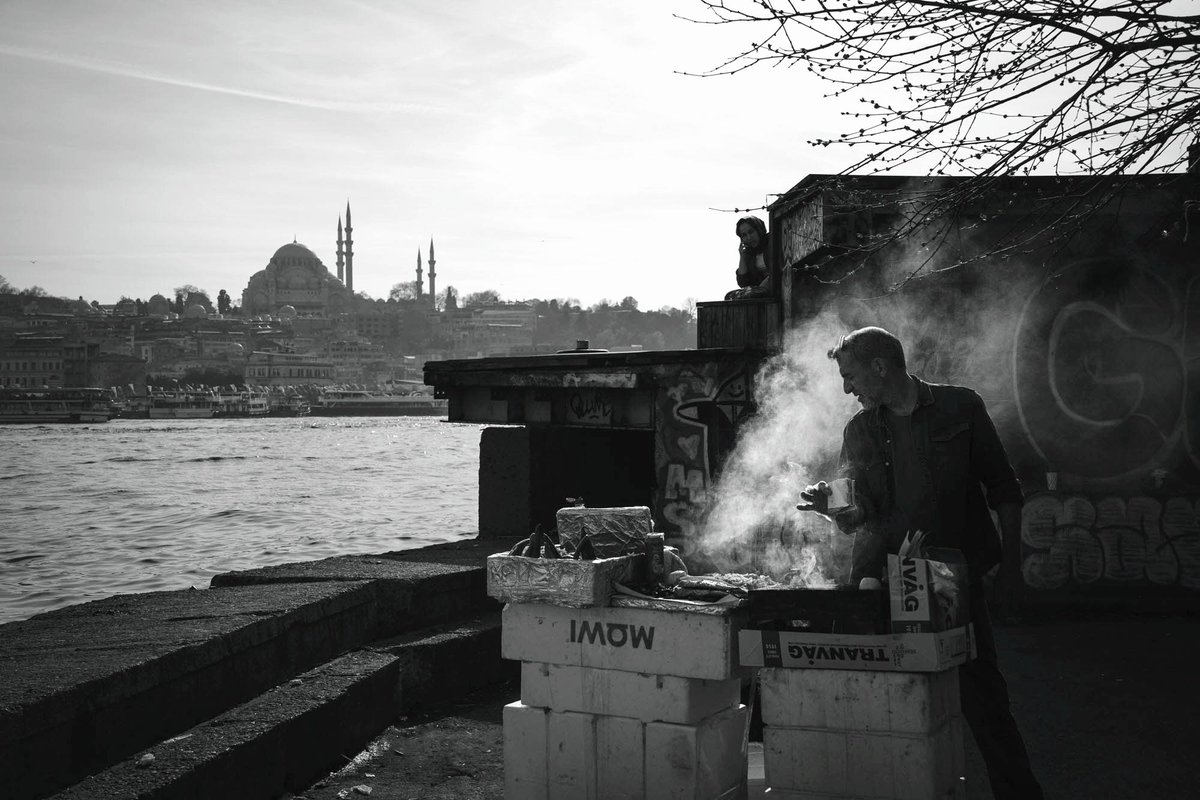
point(548, 149)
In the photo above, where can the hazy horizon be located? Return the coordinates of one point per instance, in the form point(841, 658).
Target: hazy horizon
point(548, 149)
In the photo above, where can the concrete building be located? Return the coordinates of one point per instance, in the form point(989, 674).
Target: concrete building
point(32, 360)
point(288, 369)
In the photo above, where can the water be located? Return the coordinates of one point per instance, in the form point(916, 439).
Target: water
point(87, 511)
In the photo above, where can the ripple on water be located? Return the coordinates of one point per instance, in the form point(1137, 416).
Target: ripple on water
point(159, 505)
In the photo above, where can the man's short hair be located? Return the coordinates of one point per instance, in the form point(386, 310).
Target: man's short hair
point(868, 343)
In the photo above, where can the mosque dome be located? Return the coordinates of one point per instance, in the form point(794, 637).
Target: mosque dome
point(158, 305)
point(294, 250)
point(195, 311)
point(287, 312)
point(294, 278)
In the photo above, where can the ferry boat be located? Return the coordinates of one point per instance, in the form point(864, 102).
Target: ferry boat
point(241, 404)
point(367, 403)
point(182, 405)
point(292, 405)
point(23, 406)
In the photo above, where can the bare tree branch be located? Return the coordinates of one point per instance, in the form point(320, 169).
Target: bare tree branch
point(986, 90)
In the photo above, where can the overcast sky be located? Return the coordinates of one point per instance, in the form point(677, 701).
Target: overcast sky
point(547, 147)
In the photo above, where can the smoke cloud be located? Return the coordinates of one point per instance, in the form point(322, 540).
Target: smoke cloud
point(752, 524)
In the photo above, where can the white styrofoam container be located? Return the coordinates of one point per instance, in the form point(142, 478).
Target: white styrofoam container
point(876, 765)
point(641, 696)
point(558, 755)
point(689, 645)
point(571, 757)
point(525, 731)
point(854, 700)
point(620, 758)
point(696, 762)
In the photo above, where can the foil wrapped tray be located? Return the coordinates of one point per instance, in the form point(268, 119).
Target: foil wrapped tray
point(559, 581)
point(612, 531)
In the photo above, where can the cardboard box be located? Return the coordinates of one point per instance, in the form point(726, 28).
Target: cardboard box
point(927, 596)
point(612, 531)
point(689, 645)
point(895, 652)
point(559, 581)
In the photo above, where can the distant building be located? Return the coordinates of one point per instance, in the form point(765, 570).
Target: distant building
point(287, 369)
point(32, 361)
point(483, 331)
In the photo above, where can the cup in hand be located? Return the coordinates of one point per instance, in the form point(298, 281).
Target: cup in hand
point(841, 494)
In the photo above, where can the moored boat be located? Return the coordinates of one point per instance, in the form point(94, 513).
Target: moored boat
point(367, 403)
point(182, 405)
point(241, 404)
point(24, 406)
point(291, 406)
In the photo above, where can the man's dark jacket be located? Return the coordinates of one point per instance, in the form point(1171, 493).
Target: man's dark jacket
point(958, 447)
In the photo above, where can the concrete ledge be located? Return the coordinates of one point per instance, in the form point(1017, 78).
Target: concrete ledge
point(280, 741)
point(438, 664)
point(90, 684)
point(414, 589)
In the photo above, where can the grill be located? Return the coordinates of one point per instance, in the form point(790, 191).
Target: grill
point(844, 609)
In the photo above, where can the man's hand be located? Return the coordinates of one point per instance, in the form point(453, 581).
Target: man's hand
point(816, 499)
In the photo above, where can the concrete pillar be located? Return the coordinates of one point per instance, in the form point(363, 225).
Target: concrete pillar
point(504, 485)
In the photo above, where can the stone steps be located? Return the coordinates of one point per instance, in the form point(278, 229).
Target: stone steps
point(297, 732)
point(91, 687)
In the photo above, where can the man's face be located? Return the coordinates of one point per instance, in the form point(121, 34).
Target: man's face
point(860, 380)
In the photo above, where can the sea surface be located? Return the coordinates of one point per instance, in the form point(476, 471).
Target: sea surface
point(88, 511)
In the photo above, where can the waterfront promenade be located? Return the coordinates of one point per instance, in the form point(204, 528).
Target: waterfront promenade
point(307, 680)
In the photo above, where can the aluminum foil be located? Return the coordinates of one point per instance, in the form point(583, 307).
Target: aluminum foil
point(612, 531)
point(557, 581)
point(679, 606)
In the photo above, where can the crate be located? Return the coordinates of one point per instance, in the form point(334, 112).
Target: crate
point(569, 582)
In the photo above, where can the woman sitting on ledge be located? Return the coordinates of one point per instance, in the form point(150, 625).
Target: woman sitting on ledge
point(753, 272)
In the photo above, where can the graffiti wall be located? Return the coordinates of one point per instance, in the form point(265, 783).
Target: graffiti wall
point(698, 410)
point(1088, 358)
point(1070, 540)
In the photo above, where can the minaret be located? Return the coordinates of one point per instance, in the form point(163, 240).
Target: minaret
point(349, 252)
point(340, 263)
point(432, 275)
point(420, 284)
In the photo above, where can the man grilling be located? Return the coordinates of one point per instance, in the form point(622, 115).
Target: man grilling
point(921, 457)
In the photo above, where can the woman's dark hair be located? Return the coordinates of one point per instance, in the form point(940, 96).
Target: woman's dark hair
point(758, 225)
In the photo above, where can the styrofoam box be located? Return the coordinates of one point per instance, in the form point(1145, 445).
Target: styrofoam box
point(681, 643)
point(641, 696)
point(696, 762)
point(875, 765)
point(853, 700)
point(552, 755)
point(896, 652)
point(525, 762)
